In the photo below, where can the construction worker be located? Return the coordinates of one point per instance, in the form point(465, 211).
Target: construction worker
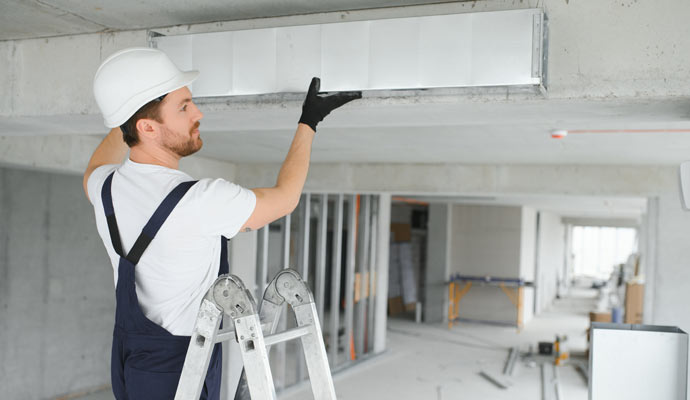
point(172, 229)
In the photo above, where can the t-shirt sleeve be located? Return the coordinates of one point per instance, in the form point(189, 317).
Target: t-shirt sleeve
point(225, 206)
point(96, 179)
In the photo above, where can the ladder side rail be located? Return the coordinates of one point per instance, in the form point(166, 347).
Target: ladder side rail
point(270, 311)
point(271, 307)
point(290, 286)
point(255, 358)
point(315, 352)
point(199, 351)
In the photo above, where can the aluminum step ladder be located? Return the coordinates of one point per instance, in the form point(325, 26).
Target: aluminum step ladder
point(255, 333)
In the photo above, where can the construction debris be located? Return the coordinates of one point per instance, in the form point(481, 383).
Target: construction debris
point(500, 383)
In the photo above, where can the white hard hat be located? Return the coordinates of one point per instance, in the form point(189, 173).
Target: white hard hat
point(132, 77)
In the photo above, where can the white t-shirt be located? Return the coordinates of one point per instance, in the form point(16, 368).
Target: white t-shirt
point(182, 261)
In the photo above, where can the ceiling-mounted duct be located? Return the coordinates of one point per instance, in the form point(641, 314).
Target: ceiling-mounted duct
point(459, 50)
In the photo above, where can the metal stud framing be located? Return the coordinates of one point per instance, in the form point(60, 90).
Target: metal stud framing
point(373, 221)
point(303, 260)
point(304, 226)
point(322, 231)
point(262, 261)
point(281, 356)
point(350, 275)
point(286, 241)
point(362, 271)
point(361, 259)
point(335, 279)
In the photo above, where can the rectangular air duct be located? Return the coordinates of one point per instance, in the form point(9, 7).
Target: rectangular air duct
point(501, 48)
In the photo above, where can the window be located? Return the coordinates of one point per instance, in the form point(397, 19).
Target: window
point(598, 249)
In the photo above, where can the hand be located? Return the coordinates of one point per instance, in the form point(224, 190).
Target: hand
point(315, 107)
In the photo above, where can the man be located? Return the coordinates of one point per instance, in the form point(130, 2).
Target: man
point(165, 234)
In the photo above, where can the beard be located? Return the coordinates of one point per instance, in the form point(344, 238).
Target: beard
point(181, 145)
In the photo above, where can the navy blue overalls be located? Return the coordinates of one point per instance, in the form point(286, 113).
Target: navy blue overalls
point(147, 359)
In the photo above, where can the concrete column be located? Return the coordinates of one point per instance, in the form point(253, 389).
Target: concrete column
point(669, 273)
point(550, 258)
point(528, 240)
point(569, 264)
point(647, 240)
point(435, 307)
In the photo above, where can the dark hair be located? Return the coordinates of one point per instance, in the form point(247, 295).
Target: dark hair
point(150, 110)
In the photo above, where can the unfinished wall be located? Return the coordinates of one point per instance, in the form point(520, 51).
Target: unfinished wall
point(486, 242)
point(57, 299)
point(550, 258)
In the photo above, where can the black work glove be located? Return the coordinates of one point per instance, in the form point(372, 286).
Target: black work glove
point(315, 107)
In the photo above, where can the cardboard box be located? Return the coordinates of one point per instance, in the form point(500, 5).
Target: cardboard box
point(395, 305)
point(600, 316)
point(634, 296)
point(401, 232)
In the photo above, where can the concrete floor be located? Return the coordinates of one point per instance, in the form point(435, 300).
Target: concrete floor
point(433, 362)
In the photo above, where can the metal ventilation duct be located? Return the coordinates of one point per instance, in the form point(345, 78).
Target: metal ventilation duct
point(459, 50)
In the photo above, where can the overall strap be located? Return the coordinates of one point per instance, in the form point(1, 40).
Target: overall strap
point(157, 219)
point(152, 226)
point(224, 267)
point(107, 200)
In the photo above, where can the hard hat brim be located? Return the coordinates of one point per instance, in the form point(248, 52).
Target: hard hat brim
point(125, 112)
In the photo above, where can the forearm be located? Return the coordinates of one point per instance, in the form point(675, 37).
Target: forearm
point(293, 172)
point(280, 200)
point(112, 150)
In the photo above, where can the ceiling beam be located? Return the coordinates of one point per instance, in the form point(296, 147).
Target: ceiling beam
point(476, 180)
point(70, 154)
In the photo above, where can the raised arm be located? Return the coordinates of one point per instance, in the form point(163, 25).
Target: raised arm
point(281, 199)
point(112, 150)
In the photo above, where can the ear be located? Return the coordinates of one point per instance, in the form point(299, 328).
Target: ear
point(147, 127)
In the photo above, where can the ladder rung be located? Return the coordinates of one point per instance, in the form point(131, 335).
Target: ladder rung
point(287, 335)
point(230, 333)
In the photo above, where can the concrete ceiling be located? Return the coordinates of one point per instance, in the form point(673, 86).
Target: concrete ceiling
point(478, 126)
point(23, 19)
point(430, 130)
point(483, 126)
point(451, 130)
